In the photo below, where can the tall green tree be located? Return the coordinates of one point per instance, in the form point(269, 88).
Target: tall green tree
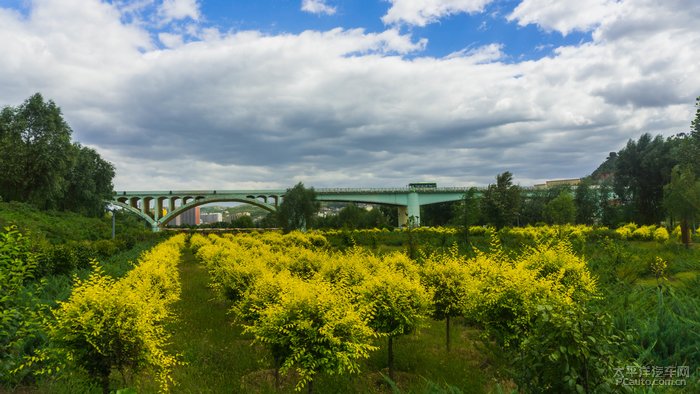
point(608, 204)
point(467, 212)
point(561, 209)
point(40, 165)
point(89, 182)
point(298, 208)
point(689, 143)
point(642, 169)
point(586, 203)
point(35, 153)
point(501, 201)
point(682, 199)
point(438, 214)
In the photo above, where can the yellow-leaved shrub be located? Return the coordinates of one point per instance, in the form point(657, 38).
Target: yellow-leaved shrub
point(109, 324)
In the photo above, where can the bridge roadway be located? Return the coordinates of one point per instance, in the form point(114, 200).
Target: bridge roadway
point(160, 207)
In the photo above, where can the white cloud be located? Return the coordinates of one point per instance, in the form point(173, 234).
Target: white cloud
point(343, 107)
point(170, 40)
point(483, 54)
point(317, 7)
point(423, 12)
point(171, 10)
point(564, 16)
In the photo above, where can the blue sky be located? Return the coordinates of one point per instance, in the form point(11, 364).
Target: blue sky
point(255, 94)
point(451, 33)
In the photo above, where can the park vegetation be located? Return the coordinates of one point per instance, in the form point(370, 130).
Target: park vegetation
point(556, 290)
point(40, 165)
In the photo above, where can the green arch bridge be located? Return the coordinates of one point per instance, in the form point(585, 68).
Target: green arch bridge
point(160, 207)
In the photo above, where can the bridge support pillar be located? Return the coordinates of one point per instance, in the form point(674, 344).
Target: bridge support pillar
point(413, 209)
point(403, 216)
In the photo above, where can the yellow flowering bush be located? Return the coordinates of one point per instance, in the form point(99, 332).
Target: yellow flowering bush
point(312, 328)
point(107, 324)
point(452, 287)
point(625, 232)
point(661, 234)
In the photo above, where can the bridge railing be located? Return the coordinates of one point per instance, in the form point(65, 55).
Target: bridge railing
point(390, 190)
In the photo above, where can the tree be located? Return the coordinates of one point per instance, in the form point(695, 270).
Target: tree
point(350, 217)
point(642, 169)
point(396, 303)
point(682, 199)
point(298, 208)
point(586, 203)
point(89, 182)
point(40, 165)
point(314, 329)
point(452, 287)
point(35, 153)
point(689, 144)
point(467, 212)
point(561, 209)
point(502, 201)
point(438, 214)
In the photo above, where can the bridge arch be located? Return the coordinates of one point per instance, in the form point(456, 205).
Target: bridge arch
point(187, 203)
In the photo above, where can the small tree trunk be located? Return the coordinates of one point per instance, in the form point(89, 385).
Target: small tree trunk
point(391, 358)
point(104, 382)
point(277, 362)
point(311, 386)
point(685, 233)
point(447, 332)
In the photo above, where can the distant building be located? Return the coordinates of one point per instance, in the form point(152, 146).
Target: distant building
point(558, 182)
point(190, 217)
point(211, 217)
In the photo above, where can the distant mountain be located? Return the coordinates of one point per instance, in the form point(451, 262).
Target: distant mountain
point(606, 170)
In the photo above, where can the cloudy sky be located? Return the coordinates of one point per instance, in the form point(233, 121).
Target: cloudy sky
point(265, 93)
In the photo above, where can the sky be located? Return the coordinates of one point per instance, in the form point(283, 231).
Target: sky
point(256, 94)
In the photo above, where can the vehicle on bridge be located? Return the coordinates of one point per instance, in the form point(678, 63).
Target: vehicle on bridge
point(422, 185)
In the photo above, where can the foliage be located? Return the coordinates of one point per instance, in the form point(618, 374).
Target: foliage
point(40, 165)
point(89, 182)
point(354, 217)
point(568, 350)
point(467, 211)
point(587, 203)
point(534, 298)
point(58, 227)
point(298, 208)
point(20, 327)
point(451, 286)
point(316, 328)
point(642, 169)
point(561, 209)
point(108, 324)
point(501, 201)
point(682, 199)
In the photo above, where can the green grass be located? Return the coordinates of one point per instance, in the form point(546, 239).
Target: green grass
point(216, 354)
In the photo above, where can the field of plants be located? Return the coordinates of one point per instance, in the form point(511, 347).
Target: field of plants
point(558, 309)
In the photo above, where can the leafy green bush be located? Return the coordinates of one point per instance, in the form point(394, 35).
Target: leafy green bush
point(20, 320)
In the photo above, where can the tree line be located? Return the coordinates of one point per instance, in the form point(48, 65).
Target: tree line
point(649, 181)
point(42, 166)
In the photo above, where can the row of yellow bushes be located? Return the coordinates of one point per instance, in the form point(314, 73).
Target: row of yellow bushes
point(581, 232)
point(109, 324)
point(279, 283)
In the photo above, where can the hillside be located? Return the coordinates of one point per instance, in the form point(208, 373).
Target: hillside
point(58, 227)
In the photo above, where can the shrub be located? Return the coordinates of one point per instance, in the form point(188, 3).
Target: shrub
point(108, 324)
point(661, 234)
point(20, 319)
